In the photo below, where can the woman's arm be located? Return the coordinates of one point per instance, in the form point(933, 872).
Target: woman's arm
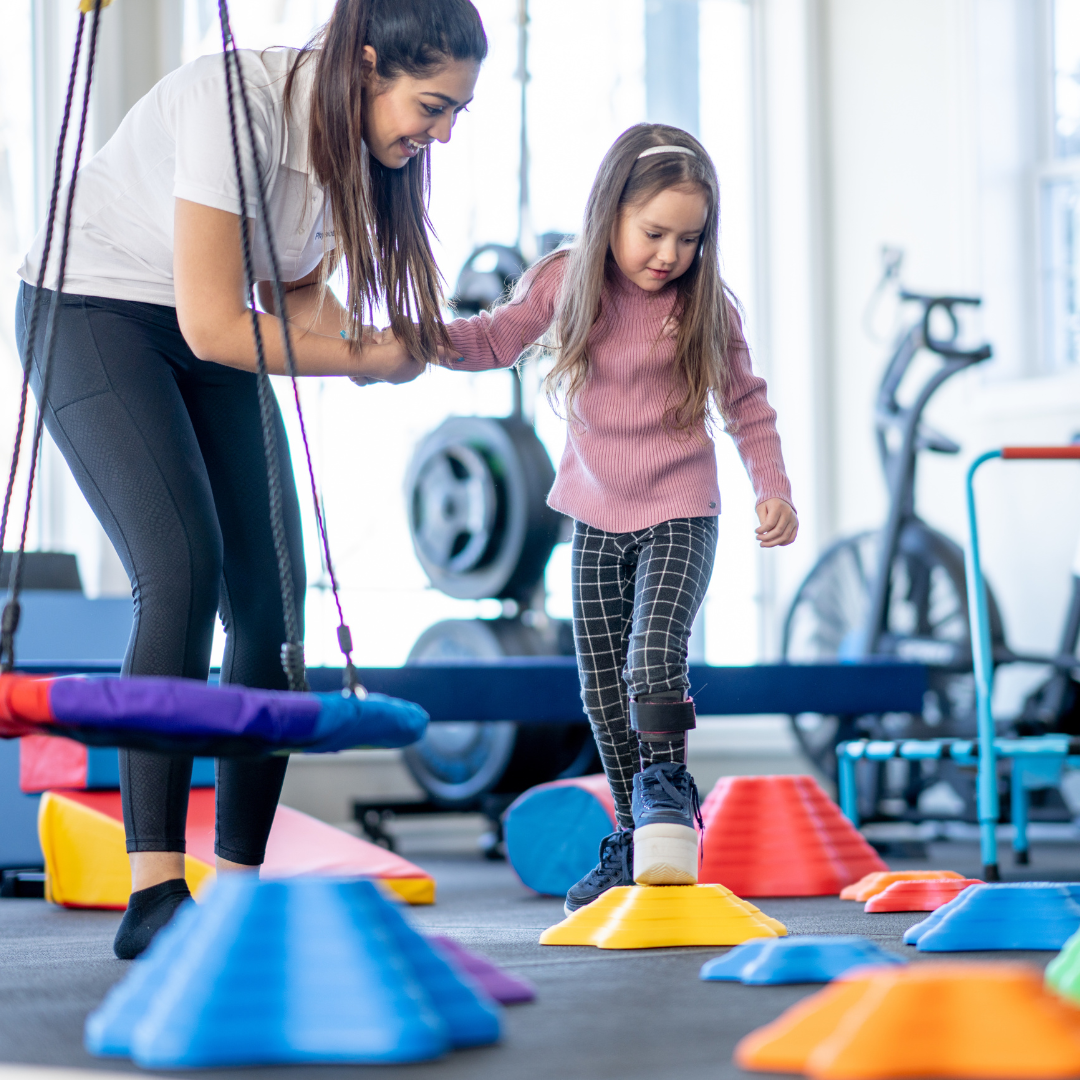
point(208, 275)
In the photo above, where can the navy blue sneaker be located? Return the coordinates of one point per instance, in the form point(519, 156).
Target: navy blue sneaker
point(665, 808)
point(616, 859)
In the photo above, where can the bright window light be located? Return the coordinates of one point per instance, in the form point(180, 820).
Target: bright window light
point(1067, 78)
point(1059, 197)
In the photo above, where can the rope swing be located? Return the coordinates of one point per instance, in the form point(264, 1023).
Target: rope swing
point(292, 649)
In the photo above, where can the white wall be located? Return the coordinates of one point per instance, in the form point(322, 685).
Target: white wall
point(792, 320)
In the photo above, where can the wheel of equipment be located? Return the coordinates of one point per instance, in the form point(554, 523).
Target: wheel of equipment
point(488, 274)
point(476, 490)
point(927, 621)
point(457, 764)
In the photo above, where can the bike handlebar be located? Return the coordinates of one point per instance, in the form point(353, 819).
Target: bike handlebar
point(945, 348)
point(948, 301)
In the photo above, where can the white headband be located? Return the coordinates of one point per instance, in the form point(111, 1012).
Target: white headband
point(666, 150)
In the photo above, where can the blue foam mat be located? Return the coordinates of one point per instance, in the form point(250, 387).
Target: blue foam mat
point(103, 769)
point(309, 970)
point(809, 959)
point(1013, 915)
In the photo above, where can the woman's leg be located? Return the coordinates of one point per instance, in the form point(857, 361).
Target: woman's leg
point(223, 406)
point(114, 410)
point(673, 572)
point(602, 580)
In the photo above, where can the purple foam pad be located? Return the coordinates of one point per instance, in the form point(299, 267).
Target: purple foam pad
point(493, 980)
point(184, 706)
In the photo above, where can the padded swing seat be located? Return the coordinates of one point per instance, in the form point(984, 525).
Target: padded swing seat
point(185, 716)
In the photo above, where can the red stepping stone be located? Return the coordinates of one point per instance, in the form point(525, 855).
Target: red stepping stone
point(919, 895)
point(780, 836)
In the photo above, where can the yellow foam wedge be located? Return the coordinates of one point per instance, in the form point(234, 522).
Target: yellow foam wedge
point(86, 861)
point(86, 864)
point(659, 916)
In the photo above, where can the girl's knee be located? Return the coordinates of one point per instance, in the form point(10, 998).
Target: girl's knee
point(656, 670)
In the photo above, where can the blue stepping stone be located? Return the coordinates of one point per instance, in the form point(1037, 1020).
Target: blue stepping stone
point(810, 959)
point(109, 1028)
point(308, 970)
point(1017, 915)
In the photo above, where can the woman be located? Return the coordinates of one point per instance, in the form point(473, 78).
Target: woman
point(151, 395)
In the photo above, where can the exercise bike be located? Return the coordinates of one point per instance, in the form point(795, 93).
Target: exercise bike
point(899, 591)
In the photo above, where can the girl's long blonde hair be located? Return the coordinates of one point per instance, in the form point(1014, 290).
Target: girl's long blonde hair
point(704, 304)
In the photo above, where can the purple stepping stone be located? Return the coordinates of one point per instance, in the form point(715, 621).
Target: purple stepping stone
point(498, 984)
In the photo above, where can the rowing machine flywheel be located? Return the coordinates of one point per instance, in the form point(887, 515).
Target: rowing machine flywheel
point(476, 494)
point(458, 764)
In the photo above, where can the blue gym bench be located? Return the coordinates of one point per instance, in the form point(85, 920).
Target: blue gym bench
point(546, 690)
point(1037, 763)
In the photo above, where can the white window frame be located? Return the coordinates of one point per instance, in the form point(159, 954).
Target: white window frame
point(1051, 170)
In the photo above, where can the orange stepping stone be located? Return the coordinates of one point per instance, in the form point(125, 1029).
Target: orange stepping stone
point(873, 884)
point(984, 1021)
point(780, 836)
point(659, 916)
point(919, 895)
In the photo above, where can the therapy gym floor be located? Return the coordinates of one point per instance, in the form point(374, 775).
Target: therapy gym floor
point(598, 1014)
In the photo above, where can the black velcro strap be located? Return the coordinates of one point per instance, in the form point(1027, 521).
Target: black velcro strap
point(662, 718)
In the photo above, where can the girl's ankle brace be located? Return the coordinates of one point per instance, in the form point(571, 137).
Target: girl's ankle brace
point(662, 717)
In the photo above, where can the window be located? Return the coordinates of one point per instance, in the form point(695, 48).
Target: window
point(17, 206)
point(1060, 195)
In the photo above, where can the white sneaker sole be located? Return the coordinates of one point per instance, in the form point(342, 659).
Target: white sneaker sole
point(665, 855)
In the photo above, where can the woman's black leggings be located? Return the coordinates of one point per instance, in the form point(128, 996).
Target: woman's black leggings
point(168, 451)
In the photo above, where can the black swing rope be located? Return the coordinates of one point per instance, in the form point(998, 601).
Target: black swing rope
point(9, 621)
point(292, 651)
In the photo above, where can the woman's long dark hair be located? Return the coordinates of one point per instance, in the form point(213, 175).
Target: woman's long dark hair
point(380, 215)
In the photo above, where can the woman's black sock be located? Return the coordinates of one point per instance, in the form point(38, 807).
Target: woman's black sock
point(148, 911)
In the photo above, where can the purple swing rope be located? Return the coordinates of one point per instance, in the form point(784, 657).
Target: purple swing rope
point(292, 652)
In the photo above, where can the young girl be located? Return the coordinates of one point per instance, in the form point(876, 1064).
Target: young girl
point(649, 347)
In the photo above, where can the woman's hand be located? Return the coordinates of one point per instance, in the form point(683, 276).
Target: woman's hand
point(779, 523)
point(382, 358)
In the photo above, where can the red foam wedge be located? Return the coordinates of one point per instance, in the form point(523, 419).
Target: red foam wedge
point(919, 895)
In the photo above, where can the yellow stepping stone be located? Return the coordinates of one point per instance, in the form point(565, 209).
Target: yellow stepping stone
point(657, 916)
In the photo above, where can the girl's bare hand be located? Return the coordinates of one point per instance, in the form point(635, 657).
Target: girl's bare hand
point(779, 523)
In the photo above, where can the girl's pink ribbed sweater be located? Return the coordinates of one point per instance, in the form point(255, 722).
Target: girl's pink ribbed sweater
point(623, 469)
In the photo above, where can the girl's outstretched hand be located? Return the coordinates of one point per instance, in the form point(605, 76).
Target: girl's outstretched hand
point(384, 359)
point(779, 523)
